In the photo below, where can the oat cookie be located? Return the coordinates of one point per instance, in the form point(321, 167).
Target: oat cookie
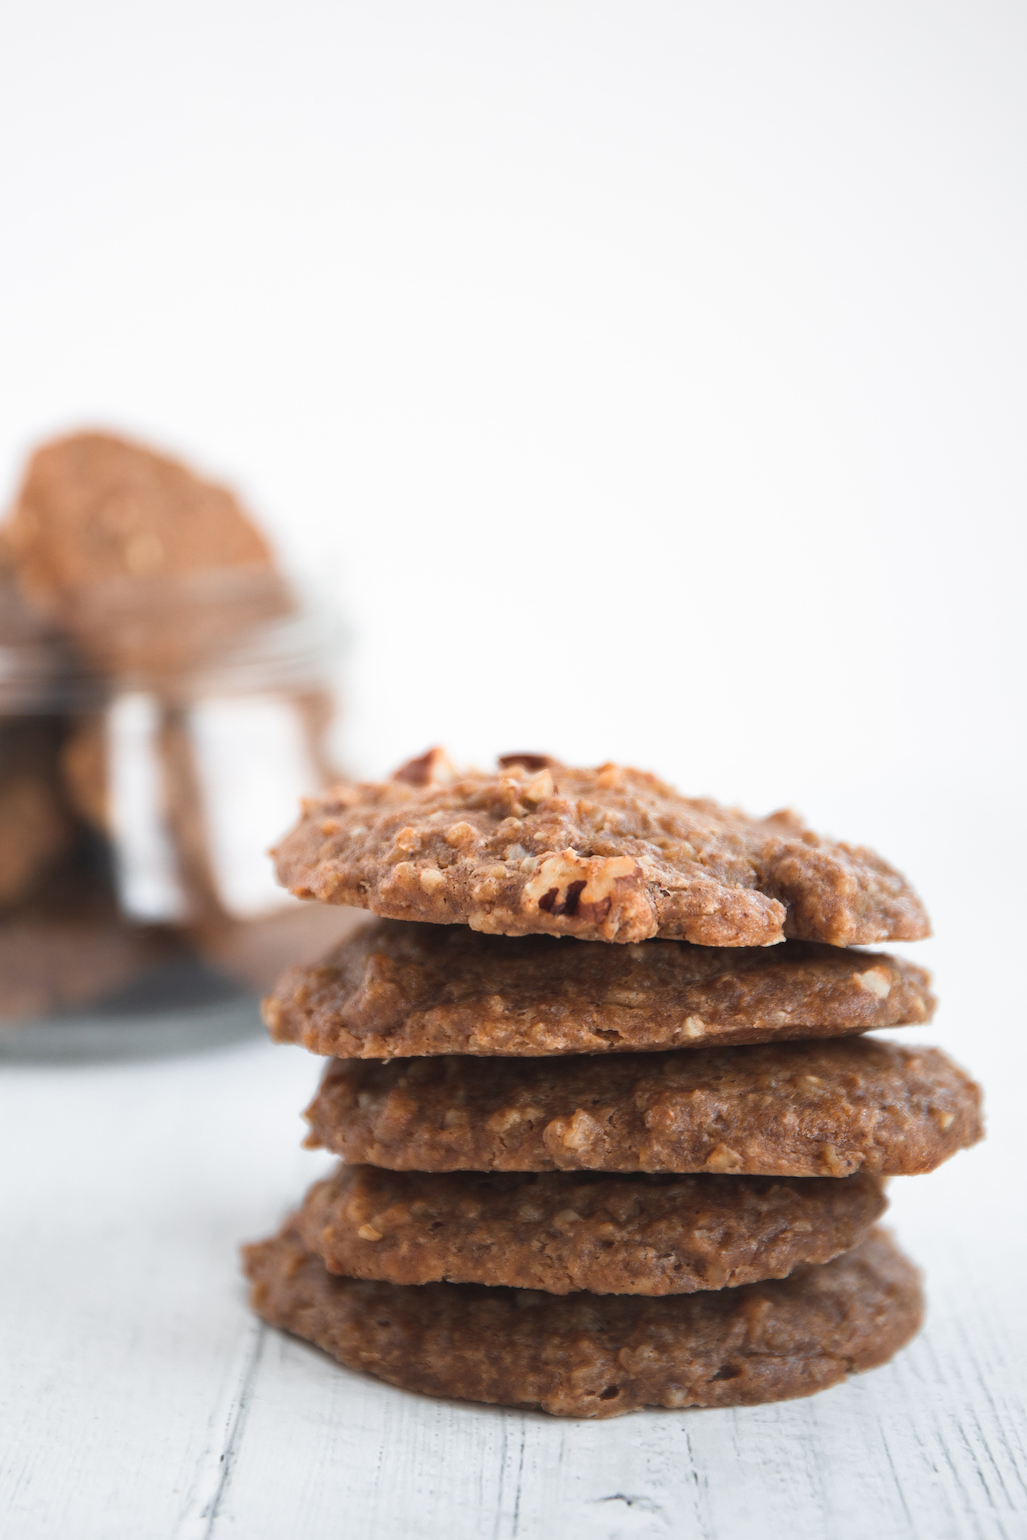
point(94, 508)
point(85, 769)
point(583, 1355)
point(36, 828)
point(610, 854)
point(770, 1109)
point(560, 1231)
point(153, 570)
point(51, 963)
point(396, 989)
point(23, 628)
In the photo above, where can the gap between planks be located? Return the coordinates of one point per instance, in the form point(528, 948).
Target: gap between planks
point(225, 1428)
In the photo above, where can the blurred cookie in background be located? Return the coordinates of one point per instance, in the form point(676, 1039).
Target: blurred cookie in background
point(36, 827)
point(119, 544)
point(165, 698)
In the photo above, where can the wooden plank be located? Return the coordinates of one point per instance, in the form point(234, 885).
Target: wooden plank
point(138, 1397)
point(122, 1320)
point(927, 1446)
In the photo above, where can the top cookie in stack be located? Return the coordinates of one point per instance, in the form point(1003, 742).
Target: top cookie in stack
point(603, 855)
point(542, 850)
point(730, 945)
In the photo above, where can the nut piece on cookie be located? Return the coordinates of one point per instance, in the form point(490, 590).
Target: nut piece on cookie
point(435, 768)
point(604, 854)
point(533, 762)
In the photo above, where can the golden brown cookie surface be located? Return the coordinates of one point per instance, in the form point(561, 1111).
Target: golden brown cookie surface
point(94, 508)
point(771, 1109)
point(395, 989)
point(583, 1355)
point(610, 854)
point(561, 1231)
point(152, 569)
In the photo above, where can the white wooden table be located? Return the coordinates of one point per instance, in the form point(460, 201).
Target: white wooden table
point(140, 1400)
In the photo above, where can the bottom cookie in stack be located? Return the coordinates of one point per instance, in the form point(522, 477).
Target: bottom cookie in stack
point(593, 1355)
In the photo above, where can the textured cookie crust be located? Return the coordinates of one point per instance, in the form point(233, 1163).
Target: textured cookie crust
point(94, 508)
point(396, 989)
point(772, 1109)
point(560, 1231)
point(609, 854)
point(585, 1355)
point(153, 570)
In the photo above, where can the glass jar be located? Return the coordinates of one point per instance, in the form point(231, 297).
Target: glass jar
point(150, 752)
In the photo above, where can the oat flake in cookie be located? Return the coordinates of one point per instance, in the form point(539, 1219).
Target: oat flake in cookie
point(610, 854)
point(395, 989)
point(583, 1355)
point(561, 1231)
point(769, 1109)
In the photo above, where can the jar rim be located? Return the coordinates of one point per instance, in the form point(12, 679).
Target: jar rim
point(253, 634)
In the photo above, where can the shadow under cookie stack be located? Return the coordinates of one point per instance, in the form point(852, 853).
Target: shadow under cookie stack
point(609, 1139)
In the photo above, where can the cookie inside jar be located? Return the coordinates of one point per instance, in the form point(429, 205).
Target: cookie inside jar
point(165, 696)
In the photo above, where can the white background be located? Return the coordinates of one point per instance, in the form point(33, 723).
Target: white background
point(644, 380)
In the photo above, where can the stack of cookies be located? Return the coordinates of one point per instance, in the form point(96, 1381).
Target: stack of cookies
point(611, 1134)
